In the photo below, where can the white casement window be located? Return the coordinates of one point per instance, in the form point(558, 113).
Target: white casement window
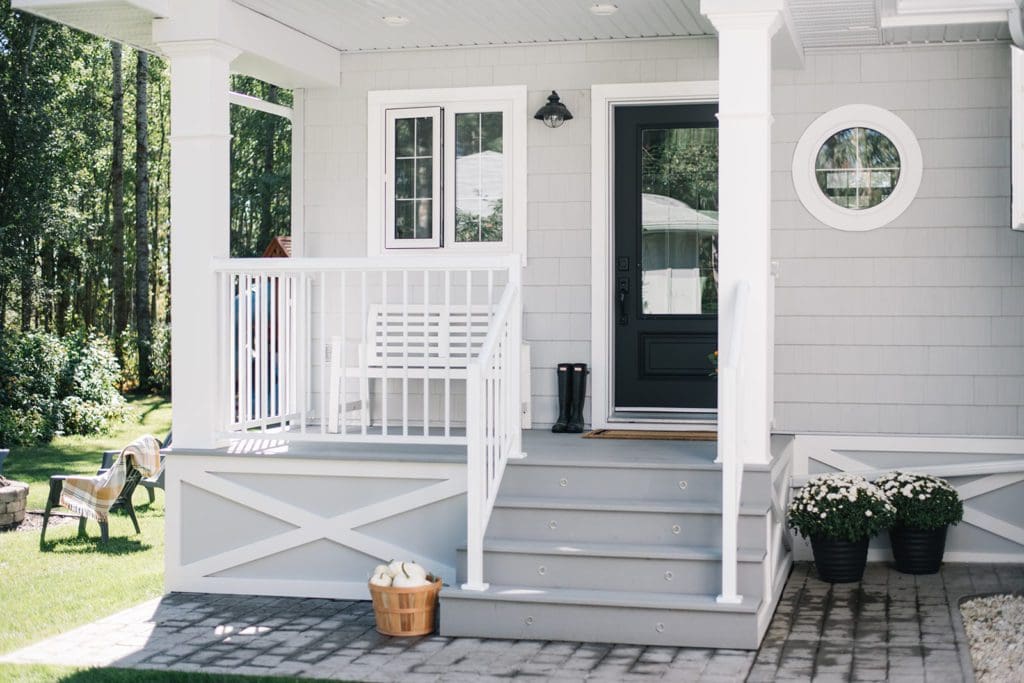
point(413, 209)
point(452, 169)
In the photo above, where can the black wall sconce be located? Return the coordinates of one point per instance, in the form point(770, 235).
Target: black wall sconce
point(554, 113)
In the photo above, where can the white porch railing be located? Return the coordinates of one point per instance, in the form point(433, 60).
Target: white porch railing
point(492, 429)
point(368, 349)
point(730, 370)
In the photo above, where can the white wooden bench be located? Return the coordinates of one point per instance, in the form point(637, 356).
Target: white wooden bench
point(431, 342)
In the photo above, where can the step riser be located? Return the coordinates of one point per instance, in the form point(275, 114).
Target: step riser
point(628, 484)
point(587, 623)
point(611, 526)
point(613, 573)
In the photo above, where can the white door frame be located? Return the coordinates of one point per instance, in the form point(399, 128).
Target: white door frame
point(604, 99)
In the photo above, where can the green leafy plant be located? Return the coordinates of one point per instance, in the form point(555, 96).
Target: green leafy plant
point(840, 506)
point(922, 502)
point(50, 385)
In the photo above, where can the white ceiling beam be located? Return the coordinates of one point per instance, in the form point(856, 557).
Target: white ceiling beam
point(250, 102)
point(157, 8)
point(911, 13)
point(270, 50)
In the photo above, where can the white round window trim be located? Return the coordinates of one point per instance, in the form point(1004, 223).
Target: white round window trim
point(857, 116)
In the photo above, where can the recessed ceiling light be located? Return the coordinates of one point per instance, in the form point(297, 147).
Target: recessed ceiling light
point(395, 20)
point(604, 9)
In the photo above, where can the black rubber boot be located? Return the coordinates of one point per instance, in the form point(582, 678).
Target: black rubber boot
point(579, 395)
point(564, 373)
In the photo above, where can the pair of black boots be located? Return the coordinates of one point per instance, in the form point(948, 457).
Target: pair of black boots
point(572, 392)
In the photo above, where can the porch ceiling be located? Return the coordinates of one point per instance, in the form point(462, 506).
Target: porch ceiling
point(356, 25)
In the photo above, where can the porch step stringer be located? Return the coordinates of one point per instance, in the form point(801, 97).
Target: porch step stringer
point(623, 559)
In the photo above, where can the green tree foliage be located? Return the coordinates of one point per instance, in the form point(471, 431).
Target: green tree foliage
point(76, 258)
point(50, 384)
point(261, 146)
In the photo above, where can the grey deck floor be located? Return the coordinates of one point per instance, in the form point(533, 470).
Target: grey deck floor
point(888, 627)
point(540, 445)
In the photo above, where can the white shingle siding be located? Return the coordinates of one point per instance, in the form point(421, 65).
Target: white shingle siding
point(557, 277)
point(914, 327)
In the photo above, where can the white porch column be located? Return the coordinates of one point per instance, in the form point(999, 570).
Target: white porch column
point(200, 219)
point(745, 31)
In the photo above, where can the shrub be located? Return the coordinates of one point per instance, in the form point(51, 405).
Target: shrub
point(48, 384)
point(840, 506)
point(922, 502)
point(160, 358)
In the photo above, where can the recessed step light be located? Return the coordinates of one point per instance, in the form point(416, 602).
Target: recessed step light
point(395, 20)
point(604, 9)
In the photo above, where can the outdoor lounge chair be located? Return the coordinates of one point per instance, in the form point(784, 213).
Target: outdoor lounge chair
point(94, 497)
point(149, 483)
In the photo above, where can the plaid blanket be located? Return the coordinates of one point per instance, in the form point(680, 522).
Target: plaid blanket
point(92, 496)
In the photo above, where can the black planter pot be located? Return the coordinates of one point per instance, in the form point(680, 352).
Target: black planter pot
point(838, 560)
point(916, 551)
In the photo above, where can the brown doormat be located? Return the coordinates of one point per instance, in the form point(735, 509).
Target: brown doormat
point(649, 435)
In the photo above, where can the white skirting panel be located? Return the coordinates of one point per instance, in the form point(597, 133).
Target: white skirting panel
point(310, 527)
point(988, 472)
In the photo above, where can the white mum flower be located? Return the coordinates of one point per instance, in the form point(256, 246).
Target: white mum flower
point(868, 513)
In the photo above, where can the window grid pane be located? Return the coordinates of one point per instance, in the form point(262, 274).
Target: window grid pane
point(414, 166)
point(479, 176)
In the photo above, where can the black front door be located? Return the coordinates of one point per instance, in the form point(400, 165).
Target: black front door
point(665, 279)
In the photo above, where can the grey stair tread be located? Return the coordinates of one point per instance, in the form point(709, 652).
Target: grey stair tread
point(603, 598)
point(603, 504)
point(630, 550)
point(570, 450)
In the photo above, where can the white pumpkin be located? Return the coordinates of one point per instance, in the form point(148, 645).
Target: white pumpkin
point(381, 579)
point(395, 567)
point(403, 581)
point(380, 569)
point(414, 570)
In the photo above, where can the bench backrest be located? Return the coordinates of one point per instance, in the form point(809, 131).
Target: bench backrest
point(425, 336)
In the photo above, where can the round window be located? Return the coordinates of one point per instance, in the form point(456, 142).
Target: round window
point(857, 167)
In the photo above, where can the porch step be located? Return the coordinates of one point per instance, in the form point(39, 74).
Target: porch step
point(570, 477)
point(528, 612)
point(533, 518)
point(603, 566)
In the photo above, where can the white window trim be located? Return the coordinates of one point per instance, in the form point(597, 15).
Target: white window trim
point(605, 98)
point(1017, 137)
point(390, 241)
point(509, 99)
point(854, 116)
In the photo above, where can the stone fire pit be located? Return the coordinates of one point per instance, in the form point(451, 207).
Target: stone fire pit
point(13, 496)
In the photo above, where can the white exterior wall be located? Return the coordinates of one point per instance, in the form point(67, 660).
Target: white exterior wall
point(557, 275)
point(915, 327)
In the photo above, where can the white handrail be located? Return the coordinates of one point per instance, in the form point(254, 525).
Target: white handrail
point(375, 263)
point(492, 424)
point(729, 374)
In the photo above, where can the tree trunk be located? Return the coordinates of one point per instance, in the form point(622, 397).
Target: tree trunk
point(120, 303)
point(143, 319)
point(266, 187)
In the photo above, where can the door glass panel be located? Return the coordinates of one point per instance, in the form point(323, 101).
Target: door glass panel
point(679, 217)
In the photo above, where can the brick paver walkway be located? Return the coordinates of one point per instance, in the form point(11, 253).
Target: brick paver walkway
point(889, 627)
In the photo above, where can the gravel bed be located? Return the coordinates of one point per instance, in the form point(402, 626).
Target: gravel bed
point(995, 631)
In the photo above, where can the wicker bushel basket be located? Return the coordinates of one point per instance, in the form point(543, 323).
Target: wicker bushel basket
point(406, 611)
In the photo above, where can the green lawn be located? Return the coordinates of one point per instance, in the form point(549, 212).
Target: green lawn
point(73, 581)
